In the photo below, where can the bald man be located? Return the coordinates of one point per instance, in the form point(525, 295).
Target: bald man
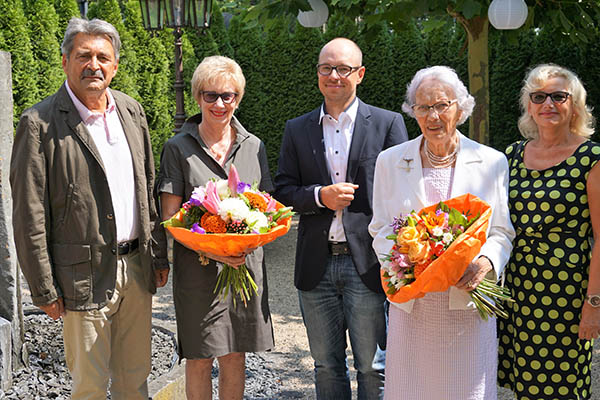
point(326, 168)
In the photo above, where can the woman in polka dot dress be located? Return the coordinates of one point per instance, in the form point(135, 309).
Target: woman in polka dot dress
point(545, 347)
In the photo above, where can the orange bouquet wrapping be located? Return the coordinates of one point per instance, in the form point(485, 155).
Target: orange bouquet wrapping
point(227, 244)
point(228, 218)
point(433, 248)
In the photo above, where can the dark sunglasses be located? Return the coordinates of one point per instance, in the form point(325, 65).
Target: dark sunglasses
point(211, 97)
point(556, 97)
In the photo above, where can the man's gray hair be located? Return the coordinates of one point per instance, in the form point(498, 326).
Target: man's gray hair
point(447, 76)
point(95, 27)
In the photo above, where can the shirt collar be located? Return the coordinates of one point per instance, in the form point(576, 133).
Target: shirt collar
point(350, 111)
point(83, 111)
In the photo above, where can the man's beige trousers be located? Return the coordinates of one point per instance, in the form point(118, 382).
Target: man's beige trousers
point(113, 342)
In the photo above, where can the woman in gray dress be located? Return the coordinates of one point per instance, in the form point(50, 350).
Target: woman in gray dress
point(209, 327)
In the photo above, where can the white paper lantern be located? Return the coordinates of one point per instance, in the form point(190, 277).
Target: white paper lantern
point(316, 17)
point(507, 14)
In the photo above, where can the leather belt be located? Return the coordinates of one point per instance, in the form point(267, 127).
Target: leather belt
point(128, 247)
point(339, 248)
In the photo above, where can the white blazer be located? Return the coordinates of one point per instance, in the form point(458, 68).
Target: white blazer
point(399, 189)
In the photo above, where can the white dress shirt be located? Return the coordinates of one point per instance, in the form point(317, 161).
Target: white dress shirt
point(337, 137)
point(108, 135)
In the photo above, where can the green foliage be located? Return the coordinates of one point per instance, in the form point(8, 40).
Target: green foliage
point(249, 49)
point(66, 9)
point(507, 70)
point(220, 34)
point(124, 80)
point(378, 59)
point(152, 77)
point(278, 87)
point(43, 26)
point(340, 25)
point(409, 56)
point(13, 26)
point(279, 63)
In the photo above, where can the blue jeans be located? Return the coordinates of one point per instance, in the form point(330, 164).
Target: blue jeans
point(341, 302)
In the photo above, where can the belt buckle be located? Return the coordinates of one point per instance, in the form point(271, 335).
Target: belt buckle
point(339, 248)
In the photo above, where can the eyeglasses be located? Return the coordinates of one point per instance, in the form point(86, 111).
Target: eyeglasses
point(556, 97)
point(422, 110)
point(211, 97)
point(342, 70)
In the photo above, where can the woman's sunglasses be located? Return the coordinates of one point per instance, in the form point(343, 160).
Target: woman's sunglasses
point(556, 97)
point(211, 97)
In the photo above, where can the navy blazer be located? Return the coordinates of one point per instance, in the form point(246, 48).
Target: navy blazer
point(302, 167)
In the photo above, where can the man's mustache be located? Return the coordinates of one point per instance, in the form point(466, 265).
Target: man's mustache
point(88, 73)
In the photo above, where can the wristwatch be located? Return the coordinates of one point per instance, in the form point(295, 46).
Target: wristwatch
point(593, 300)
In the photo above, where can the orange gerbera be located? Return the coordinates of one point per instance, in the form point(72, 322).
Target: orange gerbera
point(256, 201)
point(213, 223)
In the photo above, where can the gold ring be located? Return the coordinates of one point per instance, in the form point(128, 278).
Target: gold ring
point(470, 283)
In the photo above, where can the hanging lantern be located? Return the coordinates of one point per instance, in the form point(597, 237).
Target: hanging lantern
point(507, 14)
point(315, 17)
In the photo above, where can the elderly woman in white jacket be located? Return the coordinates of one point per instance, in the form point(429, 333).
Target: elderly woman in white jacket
point(438, 347)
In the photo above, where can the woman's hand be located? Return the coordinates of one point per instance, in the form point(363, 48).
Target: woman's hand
point(235, 261)
point(474, 274)
point(589, 326)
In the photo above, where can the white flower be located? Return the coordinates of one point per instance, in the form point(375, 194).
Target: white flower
point(447, 238)
point(223, 189)
point(437, 231)
point(258, 219)
point(233, 209)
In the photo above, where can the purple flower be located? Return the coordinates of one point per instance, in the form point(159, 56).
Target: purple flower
point(197, 229)
point(198, 196)
point(398, 223)
point(242, 187)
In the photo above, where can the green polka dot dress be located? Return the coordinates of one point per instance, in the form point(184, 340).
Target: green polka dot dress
point(540, 356)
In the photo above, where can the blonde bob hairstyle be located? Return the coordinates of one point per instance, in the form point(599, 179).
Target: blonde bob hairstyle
point(218, 69)
point(582, 122)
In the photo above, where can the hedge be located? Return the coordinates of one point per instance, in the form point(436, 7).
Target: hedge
point(279, 64)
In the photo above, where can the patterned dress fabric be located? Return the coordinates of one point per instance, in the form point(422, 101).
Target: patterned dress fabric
point(540, 355)
point(434, 352)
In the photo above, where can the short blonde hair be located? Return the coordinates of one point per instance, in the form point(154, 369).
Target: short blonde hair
point(218, 69)
point(583, 121)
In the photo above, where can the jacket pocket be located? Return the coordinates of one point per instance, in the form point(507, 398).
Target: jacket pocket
point(73, 270)
point(68, 204)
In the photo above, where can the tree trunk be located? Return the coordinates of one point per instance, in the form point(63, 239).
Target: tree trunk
point(479, 82)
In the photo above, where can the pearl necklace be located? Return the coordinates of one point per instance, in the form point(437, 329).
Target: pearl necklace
point(437, 161)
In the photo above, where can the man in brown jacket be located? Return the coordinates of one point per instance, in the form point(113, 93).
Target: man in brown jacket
point(82, 174)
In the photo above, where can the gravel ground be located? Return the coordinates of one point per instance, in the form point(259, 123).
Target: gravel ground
point(284, 374)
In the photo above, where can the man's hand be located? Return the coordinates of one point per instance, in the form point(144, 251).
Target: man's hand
point(338, 196)
point(161, 276)
point(54, 310)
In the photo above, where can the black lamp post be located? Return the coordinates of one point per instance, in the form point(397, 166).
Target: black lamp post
point(156, 14)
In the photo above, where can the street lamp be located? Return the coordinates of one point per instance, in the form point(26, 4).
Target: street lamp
point(156, 14)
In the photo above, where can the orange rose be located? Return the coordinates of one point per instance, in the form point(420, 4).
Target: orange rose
point(418, 251)
point(407, 235)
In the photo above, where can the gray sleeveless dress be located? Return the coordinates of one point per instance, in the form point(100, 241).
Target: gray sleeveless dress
point(208, 326)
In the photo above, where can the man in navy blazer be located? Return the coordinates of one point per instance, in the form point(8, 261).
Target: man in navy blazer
point(325, 172)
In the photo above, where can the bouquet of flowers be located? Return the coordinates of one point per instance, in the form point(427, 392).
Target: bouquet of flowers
point(432, 249)
point(227, 218)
